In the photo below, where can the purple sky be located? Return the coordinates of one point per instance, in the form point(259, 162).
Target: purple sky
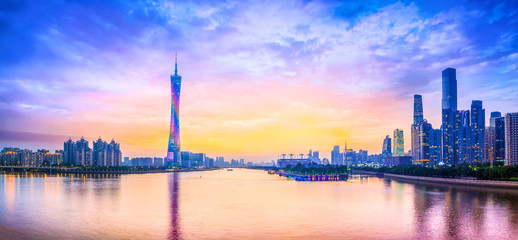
point(260, 78)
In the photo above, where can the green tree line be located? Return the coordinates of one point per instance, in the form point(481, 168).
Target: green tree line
point(478, 171)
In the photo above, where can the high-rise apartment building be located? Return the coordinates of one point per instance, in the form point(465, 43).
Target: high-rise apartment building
point(399, 143)
point(511, 138)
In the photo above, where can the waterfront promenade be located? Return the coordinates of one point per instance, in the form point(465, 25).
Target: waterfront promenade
point(456, 181)
point(96, 171)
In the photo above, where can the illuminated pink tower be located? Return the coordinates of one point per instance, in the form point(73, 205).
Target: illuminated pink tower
point(173, 150)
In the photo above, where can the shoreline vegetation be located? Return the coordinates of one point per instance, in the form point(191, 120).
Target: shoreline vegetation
point(481, 171)
point(98, 170)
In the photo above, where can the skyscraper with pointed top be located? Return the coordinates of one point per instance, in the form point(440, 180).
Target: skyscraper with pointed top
point(173, 149)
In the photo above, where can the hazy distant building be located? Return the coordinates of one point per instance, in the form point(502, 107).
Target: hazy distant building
point(449, 107)
point(398, 160)
point(185, 159)
point(399, 143)
point(337, 156)
point(511, 138)
point(386, 150)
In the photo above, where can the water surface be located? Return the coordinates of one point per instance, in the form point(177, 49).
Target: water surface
point(247, 204)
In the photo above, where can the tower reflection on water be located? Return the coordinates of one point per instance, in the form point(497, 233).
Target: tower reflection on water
point(174, 231)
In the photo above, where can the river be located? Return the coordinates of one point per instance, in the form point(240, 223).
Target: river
point(247, 204)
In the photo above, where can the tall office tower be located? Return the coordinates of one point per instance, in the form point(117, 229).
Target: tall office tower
point(83, 154)
point(386, 151)
point(421, 143)
point(499, 150)
point(478, 127)
point(435, 146)
point(399, 143)
point(418, 119)
point(69, 152)
point(462, 136)
point(337, 156)
point(449, 107)
point(345, 153)
point(100, 153)
point(494, 115)
point(173, 149)
point(490, 138)
point(418, 108)
point(511, 138)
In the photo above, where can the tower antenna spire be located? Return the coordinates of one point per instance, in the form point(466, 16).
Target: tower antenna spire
point(176, 64)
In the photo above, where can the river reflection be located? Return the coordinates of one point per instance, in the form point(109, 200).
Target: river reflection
point(247, 204)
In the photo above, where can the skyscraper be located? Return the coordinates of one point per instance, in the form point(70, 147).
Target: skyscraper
point(449, 107)
point(435, 146)
point(478, 126)
point(386, 151)
point(421, 143)
point(511, 138)
point(490, 138)
point(499, 150)
point(69, 151)
point(173, 149)
point(462, 136)
point(399, 142)
point(418, 108)
point(337, 156)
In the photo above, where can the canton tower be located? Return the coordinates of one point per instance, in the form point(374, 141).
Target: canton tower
point(173, 149)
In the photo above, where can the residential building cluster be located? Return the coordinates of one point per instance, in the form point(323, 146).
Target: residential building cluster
point(26, 157)
point(76, 153)
point(102, 154)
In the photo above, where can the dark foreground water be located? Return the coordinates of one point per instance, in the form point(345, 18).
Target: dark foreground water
point(247, 204)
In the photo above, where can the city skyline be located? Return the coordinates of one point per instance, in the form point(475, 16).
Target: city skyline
point(252, 89)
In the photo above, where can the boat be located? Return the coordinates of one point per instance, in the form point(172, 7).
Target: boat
point(271, 172)
point(230, 169)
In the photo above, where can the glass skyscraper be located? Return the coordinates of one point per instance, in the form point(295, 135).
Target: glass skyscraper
point(399, 143)
point(462, 137)
point(449, 108)
point(418, 108)
point(478, 127)
point(173, 149)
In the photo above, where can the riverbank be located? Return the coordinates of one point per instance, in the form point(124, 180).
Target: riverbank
point(77, 171)
point(455, 181)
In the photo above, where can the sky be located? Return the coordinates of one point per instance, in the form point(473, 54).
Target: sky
point(260, 78)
